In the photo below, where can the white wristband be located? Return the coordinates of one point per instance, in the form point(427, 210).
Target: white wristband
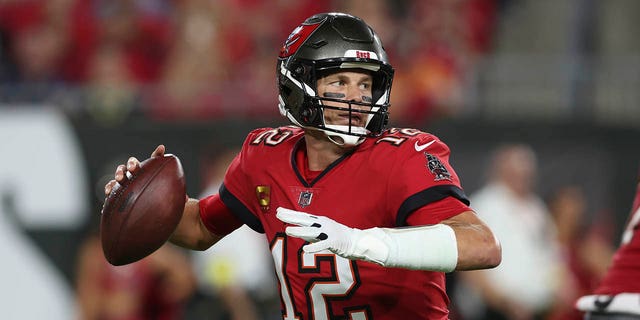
point(431, 247)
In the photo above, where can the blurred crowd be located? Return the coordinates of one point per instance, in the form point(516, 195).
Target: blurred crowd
point(204, 59)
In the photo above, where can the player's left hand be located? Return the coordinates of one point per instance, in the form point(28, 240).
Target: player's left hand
point(327, 234)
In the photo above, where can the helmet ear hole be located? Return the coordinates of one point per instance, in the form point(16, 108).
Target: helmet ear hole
point(298, 70)
point(310, 115)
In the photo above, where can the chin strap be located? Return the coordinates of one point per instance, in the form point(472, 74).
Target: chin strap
point(343, 139)
point(433, 247)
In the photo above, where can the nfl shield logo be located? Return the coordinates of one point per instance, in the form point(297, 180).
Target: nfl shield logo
point(305, 198)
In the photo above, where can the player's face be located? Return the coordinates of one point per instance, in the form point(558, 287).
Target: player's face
point(352, 85)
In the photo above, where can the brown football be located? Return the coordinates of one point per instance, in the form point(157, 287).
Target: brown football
point(140, 214)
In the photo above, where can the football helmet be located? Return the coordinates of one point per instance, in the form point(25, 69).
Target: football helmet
point(326, 43)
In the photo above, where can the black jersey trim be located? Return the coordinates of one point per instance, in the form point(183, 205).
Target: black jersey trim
point(240, 210)
point(294, 164)
point(425, 197)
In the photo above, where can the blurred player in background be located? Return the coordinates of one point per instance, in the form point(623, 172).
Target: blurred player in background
point(389, 213)
point(585, 245)
point(526, 285)
point(243, 283)
point(618, 294)
point(156, 287)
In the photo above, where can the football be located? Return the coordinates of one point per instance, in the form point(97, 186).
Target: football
point(141, 213)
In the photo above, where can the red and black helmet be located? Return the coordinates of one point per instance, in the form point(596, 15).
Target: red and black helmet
point(324, 43)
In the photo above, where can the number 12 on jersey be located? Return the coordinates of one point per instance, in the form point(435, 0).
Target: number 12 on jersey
point(319, 290)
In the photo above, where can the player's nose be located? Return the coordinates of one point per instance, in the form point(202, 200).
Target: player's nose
point(354, 93)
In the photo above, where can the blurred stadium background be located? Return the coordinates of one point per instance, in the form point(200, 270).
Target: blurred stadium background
point(84, 84)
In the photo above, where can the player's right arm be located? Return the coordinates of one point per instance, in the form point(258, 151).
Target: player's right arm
point(191, 231)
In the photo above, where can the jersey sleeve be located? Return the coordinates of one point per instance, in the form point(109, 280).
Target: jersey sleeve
point(234, 192)
point(217, 217)
point(436, 212)
point(422, 175)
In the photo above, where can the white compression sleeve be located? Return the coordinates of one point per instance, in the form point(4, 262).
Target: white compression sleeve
point(432, 247)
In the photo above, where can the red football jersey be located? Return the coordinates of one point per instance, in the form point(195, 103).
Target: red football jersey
point(624, 273)
point(379, 184)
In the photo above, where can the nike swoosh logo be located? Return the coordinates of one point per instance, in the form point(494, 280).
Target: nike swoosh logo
point(602, 302)
point(424, 146)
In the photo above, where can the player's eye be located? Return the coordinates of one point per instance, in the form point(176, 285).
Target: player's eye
point(337, 83)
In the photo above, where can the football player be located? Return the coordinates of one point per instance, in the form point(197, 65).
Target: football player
point(618, 294)
point(362, 221)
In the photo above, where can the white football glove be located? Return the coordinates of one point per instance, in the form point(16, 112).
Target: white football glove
point(432, 247)
point(327, 234)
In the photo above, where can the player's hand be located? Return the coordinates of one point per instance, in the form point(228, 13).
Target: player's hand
point(327, 234)
point(125, 171)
